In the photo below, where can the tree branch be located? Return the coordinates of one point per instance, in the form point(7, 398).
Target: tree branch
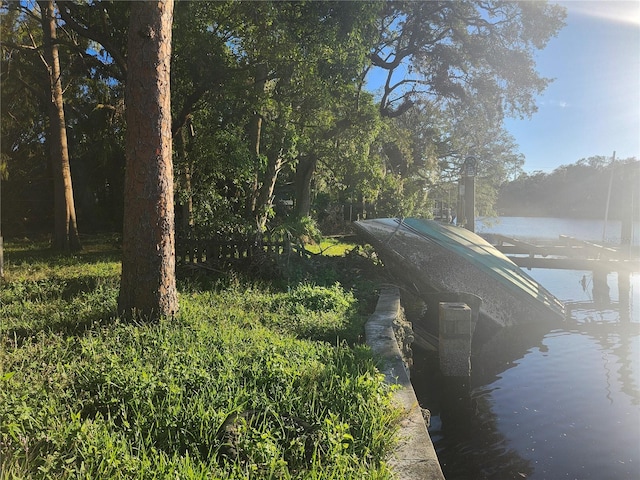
point(91, 34)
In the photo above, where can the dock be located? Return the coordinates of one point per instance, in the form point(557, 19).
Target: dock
point(568, 253)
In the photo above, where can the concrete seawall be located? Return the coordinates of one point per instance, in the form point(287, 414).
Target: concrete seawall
point(414, 457)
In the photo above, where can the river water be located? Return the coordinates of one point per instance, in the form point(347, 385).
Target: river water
point(554, 402)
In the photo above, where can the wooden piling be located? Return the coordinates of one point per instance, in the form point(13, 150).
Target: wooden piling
point(454, 343)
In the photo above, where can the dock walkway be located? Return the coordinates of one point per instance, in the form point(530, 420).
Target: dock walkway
point(568, 253)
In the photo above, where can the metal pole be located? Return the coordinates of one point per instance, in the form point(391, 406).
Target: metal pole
point(460, 214)
point(606, 211)
point(470, 203)
point(469, 171)
point(630, 175)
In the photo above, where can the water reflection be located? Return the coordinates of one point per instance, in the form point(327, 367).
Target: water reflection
point(543, 402)
point(571, 407)
point(619, 347)
point(464, 427)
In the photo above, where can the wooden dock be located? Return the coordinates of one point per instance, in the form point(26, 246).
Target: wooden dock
point(568, 253)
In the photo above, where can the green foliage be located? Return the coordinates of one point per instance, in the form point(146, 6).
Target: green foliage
point(302, 229)
point(473, 53)
point(229, 389)
point(300, 68)
point(318, 312)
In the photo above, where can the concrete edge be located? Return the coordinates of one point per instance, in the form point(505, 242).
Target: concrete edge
point(414, 457)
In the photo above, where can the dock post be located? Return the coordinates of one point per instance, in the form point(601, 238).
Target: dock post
point(630, 205)
point(455, 339)
point(470, 167)
point(601, 288)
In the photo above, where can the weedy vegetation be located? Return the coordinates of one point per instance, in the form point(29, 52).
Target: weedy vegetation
point(253, 379)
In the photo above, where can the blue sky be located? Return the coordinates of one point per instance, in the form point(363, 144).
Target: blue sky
point(593, 106)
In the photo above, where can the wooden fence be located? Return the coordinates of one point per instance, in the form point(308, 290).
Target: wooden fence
point(220, 251)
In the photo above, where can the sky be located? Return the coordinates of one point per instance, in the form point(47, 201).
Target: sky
point(593, 105)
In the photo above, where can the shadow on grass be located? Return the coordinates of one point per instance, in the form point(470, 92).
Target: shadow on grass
point(52, 258)
point(57, 288)
point(85, 284)
point(57, 306)
point(77, 327)
point(99, 248)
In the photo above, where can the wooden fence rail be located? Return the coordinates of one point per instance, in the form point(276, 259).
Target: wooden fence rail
point(226, 250)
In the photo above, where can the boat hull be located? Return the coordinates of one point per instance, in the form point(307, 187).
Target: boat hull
point(434, 257)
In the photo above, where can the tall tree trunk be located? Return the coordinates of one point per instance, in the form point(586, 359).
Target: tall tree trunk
point(304, 173)
point(65, 236)
point(306, 168)
point(254, 134)
point(148, 284)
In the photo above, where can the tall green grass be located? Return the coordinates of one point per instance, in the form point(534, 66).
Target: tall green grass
point(251, 380)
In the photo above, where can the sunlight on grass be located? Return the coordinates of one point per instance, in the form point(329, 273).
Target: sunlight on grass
point(330, 247)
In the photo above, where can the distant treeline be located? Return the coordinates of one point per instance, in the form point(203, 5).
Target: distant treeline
point(579, 190)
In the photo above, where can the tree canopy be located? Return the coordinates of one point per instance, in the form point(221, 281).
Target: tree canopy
point(326, 109)
point(592, 187)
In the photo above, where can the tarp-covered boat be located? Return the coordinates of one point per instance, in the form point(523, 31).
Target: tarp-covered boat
point(438, 257)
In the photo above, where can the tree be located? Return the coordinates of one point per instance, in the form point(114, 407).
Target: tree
point(65, 236)
point(27, 192)
point(464, 51)
point(25, 53)
point(204, 74)
point(312, 54)
point(105, 24)
point(449, 72)
point(578, 190)
point(148, 285)
point(93, 117)
point(268, 102)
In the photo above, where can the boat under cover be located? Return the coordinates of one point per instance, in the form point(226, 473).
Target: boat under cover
point(437, 257)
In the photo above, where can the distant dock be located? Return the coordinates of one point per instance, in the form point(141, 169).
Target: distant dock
point(568, 253)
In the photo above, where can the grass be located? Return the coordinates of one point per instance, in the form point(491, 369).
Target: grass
point(252, 379)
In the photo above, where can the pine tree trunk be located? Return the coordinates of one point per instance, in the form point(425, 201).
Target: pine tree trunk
point(148, 285)
point(65, 237)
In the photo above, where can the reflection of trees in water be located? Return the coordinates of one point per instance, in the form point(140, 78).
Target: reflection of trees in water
point(615, 341)
point(482, 450)
point(498, 353)
point(467, 440)
point(610, 325)
point(463, 426)
point(600, 307)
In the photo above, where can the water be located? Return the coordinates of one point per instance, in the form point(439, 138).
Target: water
point(546, 402)
point(552, 228)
